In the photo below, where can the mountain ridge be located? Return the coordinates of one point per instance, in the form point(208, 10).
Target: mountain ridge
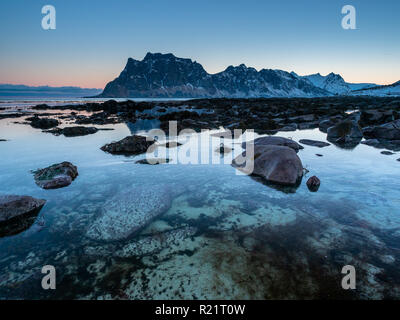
point(167, 76)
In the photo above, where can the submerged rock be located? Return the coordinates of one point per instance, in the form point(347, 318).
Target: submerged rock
point(155, 243)
point(56, 176)
point(275, 141)
point(383, 144)
point(43, 123)
point(314, 143)
point(313, 184)
point(276, 164)
point(130, 211)
point(131, 145)
point(17, 213)
point(74, 131)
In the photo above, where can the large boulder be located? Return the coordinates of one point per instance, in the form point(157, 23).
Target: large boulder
point(387, 131)
point(275, 141)
point(56, 176)
point(129, 212)
point(131, 145)
point(276, 164)
point(12, 206)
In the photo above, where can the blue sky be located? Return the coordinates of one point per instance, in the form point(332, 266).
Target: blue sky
point(93, 39)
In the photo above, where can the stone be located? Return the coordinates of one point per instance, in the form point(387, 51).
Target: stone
point(131, 145)
point(313, 184)
point(387, 153)
point(314, 143)
point(154, 161)
point(13, 206)
point(387, 131)
point(43, 123)
point(275, 164)
point(129, 211)
point(56, 176)
point(74, 131)
point(276, 141)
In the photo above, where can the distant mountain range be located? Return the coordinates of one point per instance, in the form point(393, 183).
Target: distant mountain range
point(22, 91)
point(166, 76)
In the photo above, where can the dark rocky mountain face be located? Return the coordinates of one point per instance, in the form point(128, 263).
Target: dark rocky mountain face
point(164, 76)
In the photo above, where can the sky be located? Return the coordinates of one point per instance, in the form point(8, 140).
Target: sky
point(94, 38)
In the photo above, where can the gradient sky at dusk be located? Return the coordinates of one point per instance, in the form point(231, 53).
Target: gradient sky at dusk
point(94, 39)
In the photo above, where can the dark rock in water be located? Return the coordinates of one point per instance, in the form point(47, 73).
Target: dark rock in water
point(393, 145)
point(319, 155)
point(276, 164)
point(345, 134)
point(56, 176)
point(345, 129)
point(154, 161)
point(3, 140)
point(73, 131)
point(289, 127)
point(129, 212)
point(314, 143)
point(275, 141)
point(313, 184)
point(43, 123)
point(398, 159)
point(387, 131)
point(387, 153)
point(17, 213)
point(131, 145)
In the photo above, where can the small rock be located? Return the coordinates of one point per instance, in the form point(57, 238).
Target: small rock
point(313, 184)
point(131, 145)
point(73, 131)
point(314, 143)
point(154, 161)
point(319, 155)
point(387, 153)
point(56, 176)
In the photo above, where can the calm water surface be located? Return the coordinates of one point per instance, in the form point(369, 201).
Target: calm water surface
point(225, 236)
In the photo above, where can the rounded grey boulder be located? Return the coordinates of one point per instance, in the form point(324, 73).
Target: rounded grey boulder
point(276, 164)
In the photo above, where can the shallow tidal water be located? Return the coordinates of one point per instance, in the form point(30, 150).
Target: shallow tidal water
point(225, 236)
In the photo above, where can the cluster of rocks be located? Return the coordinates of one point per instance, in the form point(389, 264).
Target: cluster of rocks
point(73, 131)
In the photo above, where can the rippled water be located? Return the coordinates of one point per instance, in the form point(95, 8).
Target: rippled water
point(226, 236)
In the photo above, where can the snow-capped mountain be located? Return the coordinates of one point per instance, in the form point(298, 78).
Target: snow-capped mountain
point(388, 90)
point(164, 75)
point(333, 83)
